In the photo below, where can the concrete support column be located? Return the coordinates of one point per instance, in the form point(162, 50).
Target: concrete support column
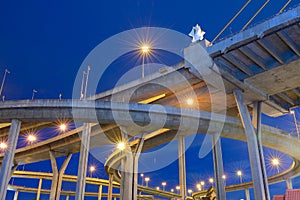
point(127, 176)
point(100, 192)
point(247, 193)
point(182, 168)
point(218, 166)
point(83, 161)
point(38, 194)
point(61, 174)
point(16, 195)
point(8, 159)
point(289, 184)
point(136, 157)
point(256, 121)
point(255, 162)
point(110, 187)
point(55, 175)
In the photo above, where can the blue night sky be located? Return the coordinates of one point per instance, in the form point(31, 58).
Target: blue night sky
point(43, 44)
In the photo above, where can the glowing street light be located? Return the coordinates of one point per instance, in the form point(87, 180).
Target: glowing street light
point(121, 146)
point(63, 127)
point(276, 162)
point(239, 173)
point(198, 186)
point(190, 191)
point(224, 178)
point(3, 145)
point(172, 190)
point(145, 49)
point(31, 138)
point(211, 180)
point(178, 188)
point(92, 168)
point(142, 175)
point(147, 179)
point(164, 185)
point(190, 101)
point(157, 188)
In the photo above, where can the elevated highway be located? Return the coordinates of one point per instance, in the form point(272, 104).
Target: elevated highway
point(262, 61)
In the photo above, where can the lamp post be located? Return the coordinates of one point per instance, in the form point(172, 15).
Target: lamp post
point(211, 181)
point(92, 169)
point(202, 183)
point(147, 179)
point(224, 179)
point(164, 185)
point(142, 176)
point(33, 92)
point(296, 124)
point(178, 188)
point(3, 80)
point(239, 173)
point(145, 49)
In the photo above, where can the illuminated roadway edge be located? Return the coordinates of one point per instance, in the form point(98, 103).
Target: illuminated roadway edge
point(52, 110)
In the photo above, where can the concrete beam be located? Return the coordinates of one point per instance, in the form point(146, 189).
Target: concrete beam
point(8, 159)
point(247, 193)
point(238, 64)
point(257, 175)
point(16, 195)
point(289, 42)
point(271, 50)
point(254, 57)
point(83, 161)
point(38, 194)
point(100, 192)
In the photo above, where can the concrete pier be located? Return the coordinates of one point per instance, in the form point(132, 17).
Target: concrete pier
point(8, 159)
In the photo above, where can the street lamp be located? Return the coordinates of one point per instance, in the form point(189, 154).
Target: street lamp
point(164, 185)
point(198, 186)
point(121, 146)
point(147, 179)
point(202, 183)
point(211, 180)
point(142, 175)
point(276, 163)
point(296, 124)
point(3, 80)
point(190, 101)
point(3, 145)
point(31, 138)
point(172, 190)
point(145, 49)
point(157, 188)
point(178, 188)
point(190, 191)
point(92, 169)
point(224, 178)
point(33, 92)
point(239, 173)
point(63, 127)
